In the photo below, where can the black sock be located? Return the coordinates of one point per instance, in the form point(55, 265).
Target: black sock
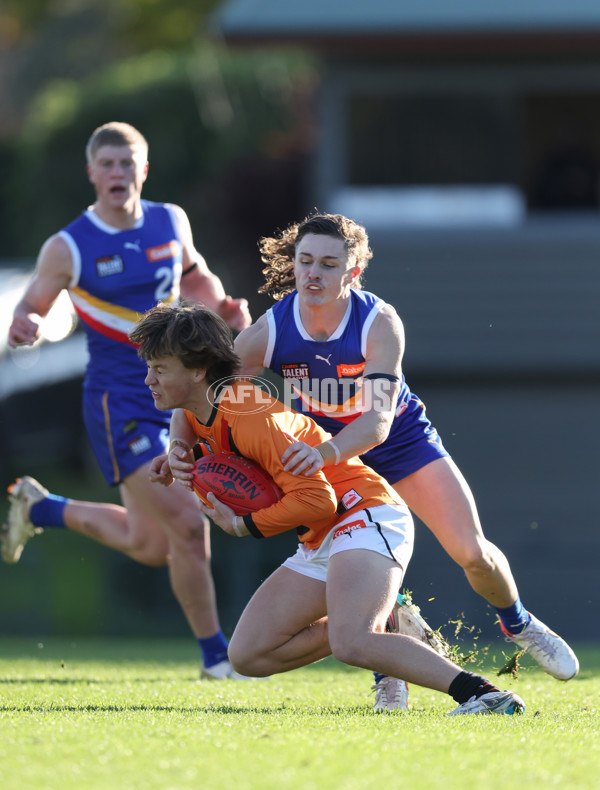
point(466, 685)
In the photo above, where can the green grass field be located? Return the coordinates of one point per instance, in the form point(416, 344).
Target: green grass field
point(132, 714)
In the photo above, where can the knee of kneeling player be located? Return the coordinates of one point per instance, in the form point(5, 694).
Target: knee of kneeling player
point(246, 661)
point(346, 648)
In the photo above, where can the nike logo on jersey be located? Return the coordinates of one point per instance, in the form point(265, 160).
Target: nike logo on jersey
point(318, 356)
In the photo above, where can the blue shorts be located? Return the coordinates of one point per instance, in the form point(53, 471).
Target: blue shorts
point(125, 428)
point(412, 443)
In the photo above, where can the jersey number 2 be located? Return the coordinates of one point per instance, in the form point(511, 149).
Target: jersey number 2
point(165, 287)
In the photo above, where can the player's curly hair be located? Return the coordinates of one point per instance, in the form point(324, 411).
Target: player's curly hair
point(193, 333)
point(277, 253)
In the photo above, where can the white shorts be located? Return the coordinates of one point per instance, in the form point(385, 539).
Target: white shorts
point(385, 529)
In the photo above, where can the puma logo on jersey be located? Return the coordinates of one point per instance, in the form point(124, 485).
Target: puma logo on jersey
point(349, 500)
point(132, 245)
point(318, 356)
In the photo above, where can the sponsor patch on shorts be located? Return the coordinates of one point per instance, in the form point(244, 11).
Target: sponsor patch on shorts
point(140, 444)
point(348, 528)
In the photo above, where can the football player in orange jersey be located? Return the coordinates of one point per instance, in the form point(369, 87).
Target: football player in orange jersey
point(326, 329)
point(355, 533)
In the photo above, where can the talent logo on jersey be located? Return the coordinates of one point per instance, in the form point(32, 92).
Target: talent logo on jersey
point(113, 264)
point(350, 370)
point(140, 444)
point(162, 252)
point(295, 370)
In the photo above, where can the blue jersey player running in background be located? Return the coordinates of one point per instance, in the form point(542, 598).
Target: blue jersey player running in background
point(339, 351)
point(117, 260)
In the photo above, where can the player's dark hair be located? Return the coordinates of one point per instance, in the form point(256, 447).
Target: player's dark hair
point(277, 252)
point(194, 334)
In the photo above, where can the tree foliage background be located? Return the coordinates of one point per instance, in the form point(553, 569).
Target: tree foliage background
point(229, 131)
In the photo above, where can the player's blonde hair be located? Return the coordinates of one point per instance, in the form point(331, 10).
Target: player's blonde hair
point(116, 133)
point(278, 252)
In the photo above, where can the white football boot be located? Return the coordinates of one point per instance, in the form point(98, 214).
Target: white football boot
point(550, 651)
point(390, 693)
point(223, 671)
point(22, 494)
point(492, 702)
point(405, 618)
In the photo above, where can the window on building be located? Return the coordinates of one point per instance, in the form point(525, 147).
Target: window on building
point(545, 144)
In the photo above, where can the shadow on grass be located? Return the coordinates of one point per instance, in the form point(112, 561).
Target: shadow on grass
point(88, 681)
point(220, 710)
point(180, 652)
point(114, 649)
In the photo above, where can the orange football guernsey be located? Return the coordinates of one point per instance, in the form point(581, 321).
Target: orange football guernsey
point(247, 421)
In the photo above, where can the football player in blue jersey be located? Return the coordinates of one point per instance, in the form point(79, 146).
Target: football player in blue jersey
point(339, 350)
point(119, 258)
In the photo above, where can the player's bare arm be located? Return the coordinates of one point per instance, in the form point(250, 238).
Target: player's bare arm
point(385, 348)
point(53, 272)
point(180, 456)
point(177, 463)
point(250, 346)
point(200, 285)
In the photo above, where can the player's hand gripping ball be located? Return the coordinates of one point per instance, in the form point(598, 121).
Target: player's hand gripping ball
point(237, 481)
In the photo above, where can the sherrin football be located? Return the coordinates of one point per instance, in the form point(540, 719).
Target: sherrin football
point(236, 481)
